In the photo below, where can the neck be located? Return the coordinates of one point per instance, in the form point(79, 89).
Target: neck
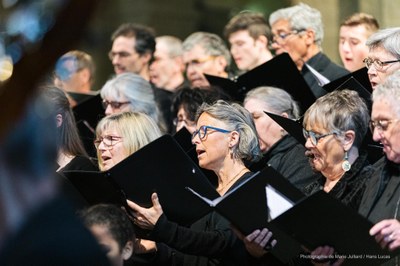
point(174, 82)
point(311, 51)
point(229, 175)
point(63, 159)
point(145, 73)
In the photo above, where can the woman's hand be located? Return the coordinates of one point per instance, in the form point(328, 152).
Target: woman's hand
point(145, 246)
point(324, 255)
point(258, 243)
point(387, 233)
point(146, 218)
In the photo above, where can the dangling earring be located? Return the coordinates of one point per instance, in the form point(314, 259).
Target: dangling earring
point(346, 166)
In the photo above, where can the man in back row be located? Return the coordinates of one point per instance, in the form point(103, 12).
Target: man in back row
point(298, 30)
point(249, 36)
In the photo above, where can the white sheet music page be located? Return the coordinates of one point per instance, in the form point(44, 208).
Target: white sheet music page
point(276, 202)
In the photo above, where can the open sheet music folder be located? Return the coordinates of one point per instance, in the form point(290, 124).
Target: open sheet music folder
point(162, 166)
point(268, 200)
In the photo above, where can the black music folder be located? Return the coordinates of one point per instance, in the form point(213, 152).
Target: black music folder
point(268, 200)
point(280, 72)
point(162, 166)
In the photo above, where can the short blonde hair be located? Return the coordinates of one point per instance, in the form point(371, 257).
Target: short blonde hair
point(136, 129)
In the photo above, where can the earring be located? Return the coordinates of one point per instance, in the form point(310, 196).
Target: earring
point(346, 166)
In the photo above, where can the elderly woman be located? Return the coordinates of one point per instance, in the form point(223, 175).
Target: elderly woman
point(281, 150)
point(120, 135)
point(225, 137)
point(383, 56)
point(130, 92)
point(334, 127)
point(381, 200)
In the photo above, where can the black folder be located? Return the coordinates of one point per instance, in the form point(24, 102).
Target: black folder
point(360, 75)
point(162, 166)
point(320, 220)
point(293, 127)
point(280, 72)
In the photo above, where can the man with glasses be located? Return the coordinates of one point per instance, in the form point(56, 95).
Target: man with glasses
point(383, 56)
point(298, 31)
point(205, 53)
point(132, 49)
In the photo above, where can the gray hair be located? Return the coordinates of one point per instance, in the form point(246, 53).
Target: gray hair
point(390, 91)
point(136, 90)
point(389, 39)
point(339, 111)
point(210, 42)
point(277, 100)
point(236, 118)
point(301, 17)
point(173, 44)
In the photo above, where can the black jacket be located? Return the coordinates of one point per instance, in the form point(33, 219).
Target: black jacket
point(350, 188)
point(287, 157)
point(209, 241)
point(321, 63)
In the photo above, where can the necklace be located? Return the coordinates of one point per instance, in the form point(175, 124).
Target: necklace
point(219, 190)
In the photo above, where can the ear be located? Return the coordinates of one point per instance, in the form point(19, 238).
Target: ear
point(59, 120)
point(221, 62)
point(349, 137)
point(284, 114)
point(127, 251)
point(310, 37)
point(85, 75)
point(146, 58)
point(262, 40)
point(234, 138)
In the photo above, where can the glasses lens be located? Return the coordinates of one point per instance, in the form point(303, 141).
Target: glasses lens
point(202, 132)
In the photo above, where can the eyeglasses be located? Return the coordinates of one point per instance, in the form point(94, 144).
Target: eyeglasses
point(283, 35)
point(178, 121)
point(198, 62)
point(315, 137)
point(108, 141)
point(112, 54)
point(378, 64)
point(202, 131)
point(380, 125)
point(114, 105)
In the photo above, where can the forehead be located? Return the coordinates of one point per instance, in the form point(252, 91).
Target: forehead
point(380, 53)
point(122, 43)
point(281, 25)
point(197, 52)
point(383, 109)
point(241, 35)
point(358, 31)
point(206, 119)
point(255, 105)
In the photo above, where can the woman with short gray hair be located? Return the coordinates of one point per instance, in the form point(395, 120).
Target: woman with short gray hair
point(283, 152)
point(130, 92)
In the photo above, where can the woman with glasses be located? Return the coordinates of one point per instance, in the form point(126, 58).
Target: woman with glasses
point(129, 92)
point(281, 151)
point(225, 138)
point(381, 200)
point(120, 135)
point(383, 56)
point(334, 128)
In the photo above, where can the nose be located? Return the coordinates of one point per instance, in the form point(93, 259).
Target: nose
point(308, 143)
point(345, 47)
point(376, 135)
point(196, 139)
point(109, 110)
point(372, 70)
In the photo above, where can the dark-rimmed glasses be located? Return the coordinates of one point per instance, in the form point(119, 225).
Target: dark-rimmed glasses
point(315, 137)
point(381, 125)
point(178, 121)
point(108, 141)
point(378, 64)
point(284, 35)
point(114, 105)
point(202, 131)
